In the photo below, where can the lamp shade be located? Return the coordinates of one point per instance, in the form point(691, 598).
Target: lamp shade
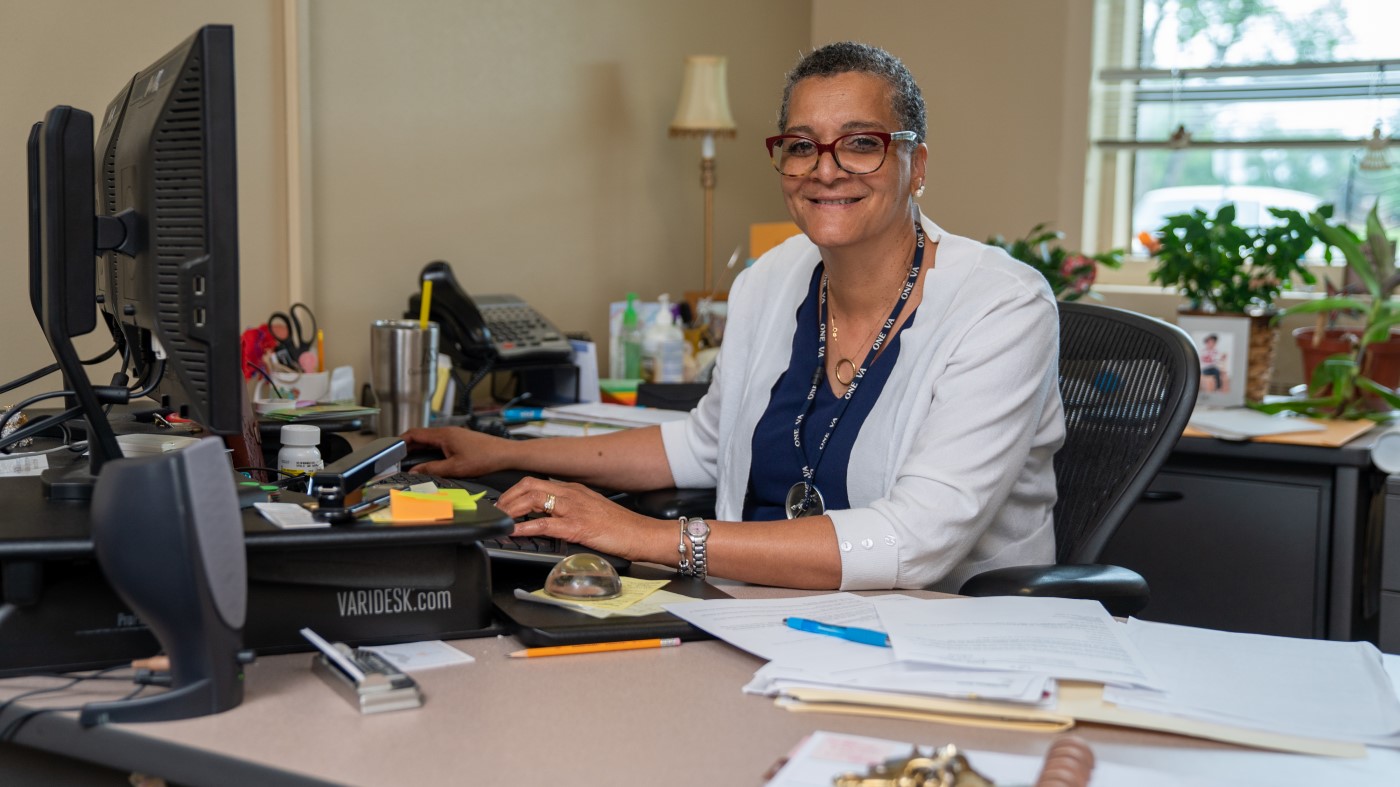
point(704, 107)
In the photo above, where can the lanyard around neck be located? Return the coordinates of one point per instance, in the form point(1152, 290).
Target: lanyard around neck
point(809, 467)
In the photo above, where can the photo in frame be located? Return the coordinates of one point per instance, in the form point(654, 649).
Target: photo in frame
point(1222, 342)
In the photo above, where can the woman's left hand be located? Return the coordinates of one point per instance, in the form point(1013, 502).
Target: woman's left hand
point(580, 515)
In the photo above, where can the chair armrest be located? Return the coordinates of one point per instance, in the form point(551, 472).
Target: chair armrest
point(1122, 591)
point(674, 503)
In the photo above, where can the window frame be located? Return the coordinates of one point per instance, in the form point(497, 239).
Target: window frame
point(1113, 107)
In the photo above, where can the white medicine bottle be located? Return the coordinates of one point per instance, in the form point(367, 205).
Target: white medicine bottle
point(299, 454)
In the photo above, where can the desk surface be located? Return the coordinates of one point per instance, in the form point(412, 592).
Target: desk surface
point(32, 527)
point(674, 716)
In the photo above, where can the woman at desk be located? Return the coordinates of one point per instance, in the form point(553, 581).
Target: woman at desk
point(884, 411)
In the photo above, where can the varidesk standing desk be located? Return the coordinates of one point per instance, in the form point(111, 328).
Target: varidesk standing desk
point(66, 617)
point(673, 716)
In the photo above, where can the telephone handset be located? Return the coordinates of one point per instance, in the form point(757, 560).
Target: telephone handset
point(498, 330)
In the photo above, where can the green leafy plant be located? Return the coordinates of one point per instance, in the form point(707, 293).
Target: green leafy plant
point(1342, 385)
point(1071, 274)
point(1220, 266)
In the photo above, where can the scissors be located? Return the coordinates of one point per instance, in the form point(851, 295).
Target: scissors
point(290, 331)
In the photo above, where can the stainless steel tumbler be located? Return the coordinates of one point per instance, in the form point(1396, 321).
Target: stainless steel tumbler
point(403, 362)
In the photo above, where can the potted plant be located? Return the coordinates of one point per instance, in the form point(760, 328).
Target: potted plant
point(1224, 269)
point(1353, 372)
point(1071, 274)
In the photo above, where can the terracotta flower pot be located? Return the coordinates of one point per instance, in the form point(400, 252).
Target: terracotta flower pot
point(1382, 361)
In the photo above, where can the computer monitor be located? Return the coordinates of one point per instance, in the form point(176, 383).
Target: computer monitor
point(171, 165)
point(156, 204)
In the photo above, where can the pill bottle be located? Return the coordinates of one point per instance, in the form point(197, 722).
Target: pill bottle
point(299, 454)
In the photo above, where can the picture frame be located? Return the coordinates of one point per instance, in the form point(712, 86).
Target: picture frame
point(1222, 342)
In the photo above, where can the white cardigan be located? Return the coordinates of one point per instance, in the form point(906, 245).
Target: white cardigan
point(951, 472)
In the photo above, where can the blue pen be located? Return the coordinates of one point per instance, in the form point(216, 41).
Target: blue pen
point(518, 415)
point(863, 636)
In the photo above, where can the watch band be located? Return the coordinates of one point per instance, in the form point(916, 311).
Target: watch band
point(683, 566)
point(698, 565)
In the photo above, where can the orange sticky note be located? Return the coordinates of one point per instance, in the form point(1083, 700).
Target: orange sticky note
point(409, 507)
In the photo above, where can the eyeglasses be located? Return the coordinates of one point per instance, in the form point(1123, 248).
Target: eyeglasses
point(859, 154)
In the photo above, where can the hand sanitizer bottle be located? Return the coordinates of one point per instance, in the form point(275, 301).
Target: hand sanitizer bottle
point(631, 340)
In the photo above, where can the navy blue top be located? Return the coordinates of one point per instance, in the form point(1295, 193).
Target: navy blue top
point(777, 465)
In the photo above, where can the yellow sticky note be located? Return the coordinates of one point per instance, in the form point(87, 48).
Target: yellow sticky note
point(633, 590)
point(413, 507)
point(462, 500)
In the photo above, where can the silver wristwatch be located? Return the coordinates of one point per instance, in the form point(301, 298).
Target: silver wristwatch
point(696, 531)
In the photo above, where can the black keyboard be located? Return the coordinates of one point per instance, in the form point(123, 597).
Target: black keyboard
point(514, 549)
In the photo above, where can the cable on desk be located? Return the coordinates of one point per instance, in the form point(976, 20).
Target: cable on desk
point(12, 729)
point(77, 447)
point(39, 425)
point(281, 483)
point(53, 367)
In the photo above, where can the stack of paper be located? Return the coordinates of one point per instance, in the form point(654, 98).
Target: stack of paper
point(1242, 423)
point(611, 414)
point(1043, 663)
point(800, 659)
point(594, 418)
point(1310, 688)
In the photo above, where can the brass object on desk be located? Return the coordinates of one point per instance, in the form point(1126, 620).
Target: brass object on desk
point(19, 420)
point(948, 767)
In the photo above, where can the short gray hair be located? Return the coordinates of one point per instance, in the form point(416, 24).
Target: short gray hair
point(847, 56)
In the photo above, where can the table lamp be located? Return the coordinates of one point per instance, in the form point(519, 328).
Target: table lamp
point(704, 112)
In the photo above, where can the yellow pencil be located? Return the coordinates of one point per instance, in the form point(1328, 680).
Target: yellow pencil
point(425, 305)
point(595, 647)
point(320, 351)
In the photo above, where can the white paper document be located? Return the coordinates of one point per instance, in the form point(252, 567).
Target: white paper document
point(1240, 423)
point(1314, 688)
point(418, 656)
point(24, 464)
point(756, 625)
point(289, 516)
point(1065, 638)
point(904, 677)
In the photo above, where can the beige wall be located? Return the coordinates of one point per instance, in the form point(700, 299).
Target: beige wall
point(525, 143)
point(80, 53)
point(1007, 88)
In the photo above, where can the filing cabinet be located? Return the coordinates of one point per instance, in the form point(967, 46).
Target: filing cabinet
point(1263, 538)
point(1390, 569)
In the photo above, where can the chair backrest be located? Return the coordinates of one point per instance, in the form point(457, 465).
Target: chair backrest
point(1128, 382)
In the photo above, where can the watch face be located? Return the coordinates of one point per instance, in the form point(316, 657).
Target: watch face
point(697, 528)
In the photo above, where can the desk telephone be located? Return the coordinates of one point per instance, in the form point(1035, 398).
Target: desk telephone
point(489, 330)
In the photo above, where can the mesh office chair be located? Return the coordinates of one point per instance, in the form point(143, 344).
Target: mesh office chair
point(1128, 382)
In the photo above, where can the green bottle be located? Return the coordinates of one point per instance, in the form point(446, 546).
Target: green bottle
point(631, 340)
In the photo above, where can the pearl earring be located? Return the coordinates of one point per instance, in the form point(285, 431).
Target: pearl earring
point(919, 192)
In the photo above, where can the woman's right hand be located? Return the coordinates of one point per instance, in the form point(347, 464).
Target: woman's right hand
point(466, 453)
